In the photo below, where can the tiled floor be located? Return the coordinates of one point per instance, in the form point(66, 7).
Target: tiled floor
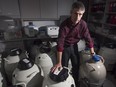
point(108, 83)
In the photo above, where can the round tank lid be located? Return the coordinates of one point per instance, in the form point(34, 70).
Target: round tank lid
point(25, 64)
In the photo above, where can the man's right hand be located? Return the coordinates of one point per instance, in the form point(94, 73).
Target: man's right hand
point(57, 66)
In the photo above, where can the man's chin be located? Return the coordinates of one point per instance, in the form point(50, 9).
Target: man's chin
point(77, 21)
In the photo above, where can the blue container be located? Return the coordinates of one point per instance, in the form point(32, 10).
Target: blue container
point(96, 58)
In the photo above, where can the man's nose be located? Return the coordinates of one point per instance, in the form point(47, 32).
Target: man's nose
point(77, 15)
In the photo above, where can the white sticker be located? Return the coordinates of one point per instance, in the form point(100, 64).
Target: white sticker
point(56, 72)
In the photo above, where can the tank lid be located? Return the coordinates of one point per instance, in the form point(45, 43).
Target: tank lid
point(59, 75)
point(45, 47)
point(96, 58)
point(15, 51)
point(25, 64)
point(12, 52)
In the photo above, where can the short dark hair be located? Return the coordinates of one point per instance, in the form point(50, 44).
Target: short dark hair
point(79, 5)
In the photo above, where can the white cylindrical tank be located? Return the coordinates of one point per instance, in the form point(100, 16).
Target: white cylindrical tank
point(1, 80)
point(45, 62)
point(81, 45)
point(53, 44)
point(70, 64)
point(109, 54)
point(46, 47)
point(85, 56)
point(35, 50)
point(53, 52)
point(11, 61)
point(93, 72)
point(59, 78)
point(27, 74)
point(69, 82)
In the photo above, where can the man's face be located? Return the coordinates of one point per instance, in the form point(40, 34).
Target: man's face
point(76, 15)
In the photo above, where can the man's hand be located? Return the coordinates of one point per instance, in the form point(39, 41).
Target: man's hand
point(96, 58)
point(57, 66)
point(92, 54)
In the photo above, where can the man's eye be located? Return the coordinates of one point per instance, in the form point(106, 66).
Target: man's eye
point(80, 14)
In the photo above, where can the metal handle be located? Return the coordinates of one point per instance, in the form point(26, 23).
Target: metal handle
point(102, 59)
point(21, 84)
point(32, 74)
point(6, 60)
point(93, 69)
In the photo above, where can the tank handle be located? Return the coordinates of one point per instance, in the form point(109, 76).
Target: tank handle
point(21, 84)
point(67, 69)
point(102, 59)
point(93, 69)
point(32, 74)
point(41, 71)
point(6, 59)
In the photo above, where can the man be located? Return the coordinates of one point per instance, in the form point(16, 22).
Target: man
point(71, 31)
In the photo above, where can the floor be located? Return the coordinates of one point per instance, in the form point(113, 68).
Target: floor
point(111, 80)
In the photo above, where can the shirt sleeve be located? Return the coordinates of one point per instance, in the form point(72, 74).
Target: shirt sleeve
point(61, 39)
point(87, 37)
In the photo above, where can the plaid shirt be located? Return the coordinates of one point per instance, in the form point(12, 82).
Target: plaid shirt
point(70, 34)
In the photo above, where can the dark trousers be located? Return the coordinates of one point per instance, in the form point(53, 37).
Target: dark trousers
point(71, 52)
